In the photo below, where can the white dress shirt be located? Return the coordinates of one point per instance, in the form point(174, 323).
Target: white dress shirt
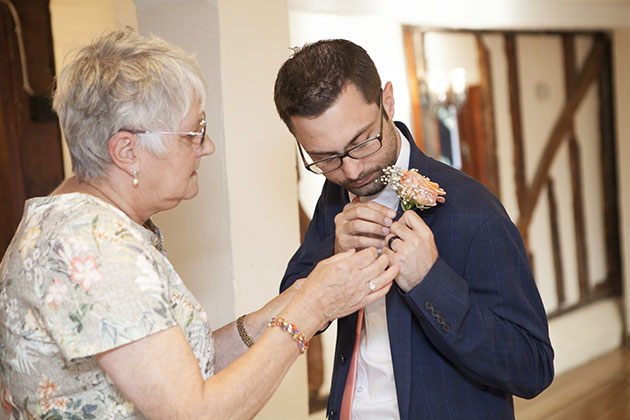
point(375, 389)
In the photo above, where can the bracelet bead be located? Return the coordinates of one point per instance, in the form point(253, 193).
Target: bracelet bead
point(290, 329)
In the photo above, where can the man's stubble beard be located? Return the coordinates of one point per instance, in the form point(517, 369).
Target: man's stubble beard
point(389, 159)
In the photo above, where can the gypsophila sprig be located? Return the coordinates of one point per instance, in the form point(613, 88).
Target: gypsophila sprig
point(413, 189)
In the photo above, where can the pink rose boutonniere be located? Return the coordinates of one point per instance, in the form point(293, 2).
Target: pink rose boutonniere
point(413, 189)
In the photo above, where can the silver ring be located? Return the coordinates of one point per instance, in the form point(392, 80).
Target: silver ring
point(392, 239)
point(371, 286)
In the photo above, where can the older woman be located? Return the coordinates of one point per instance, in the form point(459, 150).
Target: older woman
point(94, 320)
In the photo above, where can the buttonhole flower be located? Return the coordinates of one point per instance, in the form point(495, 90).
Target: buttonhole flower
point(413, 189)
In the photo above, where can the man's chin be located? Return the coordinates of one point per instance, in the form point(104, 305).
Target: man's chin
point(367, 190)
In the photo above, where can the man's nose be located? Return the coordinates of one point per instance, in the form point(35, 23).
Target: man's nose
point(352, 168)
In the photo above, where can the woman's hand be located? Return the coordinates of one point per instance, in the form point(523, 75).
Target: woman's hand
point(340, 285)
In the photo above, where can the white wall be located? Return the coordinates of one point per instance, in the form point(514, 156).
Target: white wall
point(233, 241)
point(260, 170)
point(483, 14)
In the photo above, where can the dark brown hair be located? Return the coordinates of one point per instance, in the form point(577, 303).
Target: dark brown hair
point(310, 81)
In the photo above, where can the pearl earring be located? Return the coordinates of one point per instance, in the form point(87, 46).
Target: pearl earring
point(135, 178)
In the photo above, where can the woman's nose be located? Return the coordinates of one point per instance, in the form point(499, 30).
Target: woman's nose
point(207, 148)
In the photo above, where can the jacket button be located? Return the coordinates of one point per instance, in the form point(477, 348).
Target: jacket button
point(331, 414)
point(441, 320)
point(342, 358)
point(428, 305)
point(446, 327)
point(434, 313)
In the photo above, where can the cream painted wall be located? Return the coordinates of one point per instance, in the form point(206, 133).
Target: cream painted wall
point(261, 177)
point(482, 14)
point(231, 243)
point(197, 232)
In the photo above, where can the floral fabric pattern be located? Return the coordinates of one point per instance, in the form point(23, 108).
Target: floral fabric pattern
point(80, 278)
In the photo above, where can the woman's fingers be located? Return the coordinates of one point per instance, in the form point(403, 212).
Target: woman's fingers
point(377, 266)
point(365, 257)
point(338, 257)
point(376, 295)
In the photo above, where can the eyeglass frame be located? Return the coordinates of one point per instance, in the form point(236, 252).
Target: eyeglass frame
point(201, 133)
point(340, 156)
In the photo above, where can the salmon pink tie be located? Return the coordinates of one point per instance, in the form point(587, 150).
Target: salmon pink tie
point(348, 391)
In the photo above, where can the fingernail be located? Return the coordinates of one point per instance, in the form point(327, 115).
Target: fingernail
point(388, 221)
point(391, 213)
point(382, 244)
point(385, 230)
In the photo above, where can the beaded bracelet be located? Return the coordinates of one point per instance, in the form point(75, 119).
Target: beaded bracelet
point(291, 329)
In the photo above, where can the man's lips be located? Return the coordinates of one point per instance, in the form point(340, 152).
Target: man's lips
point(365, 181)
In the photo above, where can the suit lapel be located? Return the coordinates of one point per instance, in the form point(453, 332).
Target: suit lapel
point(399, 317)
point(419, 161)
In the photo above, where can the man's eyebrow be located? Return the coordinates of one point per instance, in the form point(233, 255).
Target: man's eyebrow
point(359, 132)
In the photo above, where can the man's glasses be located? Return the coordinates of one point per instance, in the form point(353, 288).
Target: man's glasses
point(360, 151)
point(195, 137)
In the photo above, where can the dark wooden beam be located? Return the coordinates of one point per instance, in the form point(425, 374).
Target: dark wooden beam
point(517, 131)
point(609, 164)
point(493, 181)
point(575, 162)
point(586, 77)
point(11, 172)
point(579, 219)
point(556, 245)
point(412, 80)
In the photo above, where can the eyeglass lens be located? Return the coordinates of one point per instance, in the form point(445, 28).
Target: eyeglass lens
point(360, 151)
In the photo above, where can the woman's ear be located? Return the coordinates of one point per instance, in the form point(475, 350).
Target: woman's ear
point(122, 150)
point(388, 100)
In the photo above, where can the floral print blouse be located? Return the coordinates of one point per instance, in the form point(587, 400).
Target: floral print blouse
point(80, 278)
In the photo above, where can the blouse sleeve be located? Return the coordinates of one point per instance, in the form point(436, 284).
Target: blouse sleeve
point(106, 286)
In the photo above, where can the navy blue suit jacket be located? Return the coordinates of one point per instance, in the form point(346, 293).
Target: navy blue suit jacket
point(474, 331)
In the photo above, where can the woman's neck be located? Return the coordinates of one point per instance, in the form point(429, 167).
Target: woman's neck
point(104, 191)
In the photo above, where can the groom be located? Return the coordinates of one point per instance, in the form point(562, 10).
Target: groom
point(463, 329)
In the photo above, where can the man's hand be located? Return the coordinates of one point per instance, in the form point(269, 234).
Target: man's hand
point(415, 252)
point(362, 225)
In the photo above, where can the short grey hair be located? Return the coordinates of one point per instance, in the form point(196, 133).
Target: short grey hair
point(123, 80)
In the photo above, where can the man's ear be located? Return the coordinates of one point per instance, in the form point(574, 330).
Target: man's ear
point(388, 100)
point(122, 150)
